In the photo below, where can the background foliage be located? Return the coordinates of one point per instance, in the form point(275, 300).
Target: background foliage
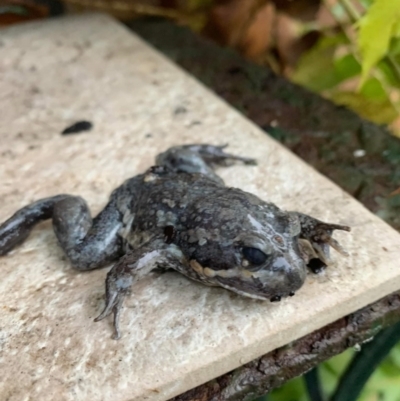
point(346, 50)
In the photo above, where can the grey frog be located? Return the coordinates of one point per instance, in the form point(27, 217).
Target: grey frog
point(179, 215)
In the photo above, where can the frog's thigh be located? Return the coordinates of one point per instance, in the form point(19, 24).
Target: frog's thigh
point(88, 243)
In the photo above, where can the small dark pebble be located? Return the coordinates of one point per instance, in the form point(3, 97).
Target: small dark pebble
point(78, 127)
point(316, 265)
point(276, 298)
point(180, 110)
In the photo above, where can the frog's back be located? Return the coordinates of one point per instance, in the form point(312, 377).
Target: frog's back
point(165, 187)
point(161, 198)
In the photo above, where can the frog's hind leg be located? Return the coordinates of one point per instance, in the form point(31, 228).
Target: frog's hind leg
point(201, 158)
point(131, 268)
point(17, 228)
point(88, 243)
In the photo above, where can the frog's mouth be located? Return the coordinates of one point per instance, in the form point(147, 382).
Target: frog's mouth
point(277, 287)
point(263, 284)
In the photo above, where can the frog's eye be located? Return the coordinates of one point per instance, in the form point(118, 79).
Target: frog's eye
point(254, 255)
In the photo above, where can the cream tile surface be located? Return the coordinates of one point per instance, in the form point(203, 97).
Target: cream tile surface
point(176, 333)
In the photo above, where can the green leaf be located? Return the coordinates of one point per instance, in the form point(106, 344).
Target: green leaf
point(377, 26)
point(381, 385)
point(331, 370)
point(317, 68)
point(389, 75)
point(313, 385)
point(396, 29)
point(293, 390)
point(366, 3)
point(346, 67)
point(374, 91)
point(379, 110)
point(395, 356)
point(395, 46)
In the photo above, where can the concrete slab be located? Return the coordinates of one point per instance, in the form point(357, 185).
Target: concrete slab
point(177, 333)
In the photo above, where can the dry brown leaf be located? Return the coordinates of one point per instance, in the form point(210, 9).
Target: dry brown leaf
point(395, 127)
point(259, 35)
point(304, 10)
point(230, 20)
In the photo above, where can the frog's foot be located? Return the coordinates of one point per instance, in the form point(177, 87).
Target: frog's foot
point(117, 286)
point(319, 236)
point(200, 159)
point(216, 155)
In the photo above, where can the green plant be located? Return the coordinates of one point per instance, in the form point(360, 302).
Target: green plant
point(357, 63)
point(370, 374)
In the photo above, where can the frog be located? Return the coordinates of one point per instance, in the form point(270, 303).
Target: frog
point(180, 215)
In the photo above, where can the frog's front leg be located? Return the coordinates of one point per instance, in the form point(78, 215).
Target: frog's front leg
point(199, 158)
point(131, 268)
point(216, 155)
point(88, 243)
point(318, 234)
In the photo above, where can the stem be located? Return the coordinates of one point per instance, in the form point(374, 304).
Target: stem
point(313, 385)
point(350, 9)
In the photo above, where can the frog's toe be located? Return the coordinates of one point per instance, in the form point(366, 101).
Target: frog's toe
point(217, 155)
point(336, 245)
point(316, 240)
point(322, 240)
point(116, 289)
point(113, 305)
point(108, 308)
